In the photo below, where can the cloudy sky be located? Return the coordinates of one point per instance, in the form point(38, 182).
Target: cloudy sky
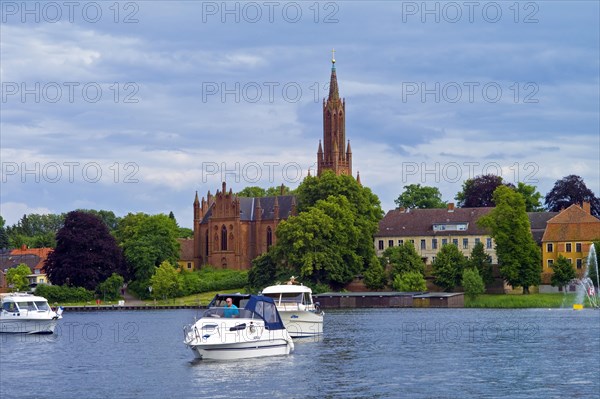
point(134, 106)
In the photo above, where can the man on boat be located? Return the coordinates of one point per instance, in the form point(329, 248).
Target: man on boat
point(230, 309)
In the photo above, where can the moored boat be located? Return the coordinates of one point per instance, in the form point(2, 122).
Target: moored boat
point(250, 328)
point(302, 317)
point(26, 313)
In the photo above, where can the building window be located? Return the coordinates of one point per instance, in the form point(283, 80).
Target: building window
point(570, 261)
point(400, 242)
point(579, 263)
point(550, 262)
point(206, 244)
point(465, 243)
point(423, 245)
point(412, 241)
point(381, 245)
point(455, 242)
point(488, 243)
point(568, 247)
point(269, 237)
point(477, 240)
point(433, 258)
point(444, 241)
point(578, 247)
point(189, 265)
point(223, 238)
point(549, 247)
point(390, 243)
point(434, 243)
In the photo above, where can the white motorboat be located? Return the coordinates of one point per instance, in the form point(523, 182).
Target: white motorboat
point(301, 316)
point(26, 313)
point(252, 328)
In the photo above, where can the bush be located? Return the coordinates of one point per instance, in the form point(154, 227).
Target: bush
point(410, 282)
point(63, 293)
point(472, 283)
point(210, 279)
point(110, 288)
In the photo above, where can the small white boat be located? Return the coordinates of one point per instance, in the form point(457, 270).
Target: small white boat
point(26, 313)
point(301, 316)
point(253, 328)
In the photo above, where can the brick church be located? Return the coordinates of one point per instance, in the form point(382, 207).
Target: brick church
point(230, 231)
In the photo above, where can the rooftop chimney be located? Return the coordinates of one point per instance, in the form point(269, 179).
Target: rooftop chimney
point(586, 207)
point(450, 206)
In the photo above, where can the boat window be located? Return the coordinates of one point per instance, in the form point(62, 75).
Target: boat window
point(41, 305)
point(10, 307)
point(27, 306)
point(307, 299)
point(270, 313)
point(291, 297)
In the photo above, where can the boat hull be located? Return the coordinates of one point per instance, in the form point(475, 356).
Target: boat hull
point(31, 326)
point(303, 324)
point(242, 350)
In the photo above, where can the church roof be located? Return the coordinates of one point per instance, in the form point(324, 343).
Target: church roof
point(267, 205)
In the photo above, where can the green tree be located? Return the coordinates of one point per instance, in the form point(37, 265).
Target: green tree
point(252, 191)
point(364, 205)
point(110, 289)
point(531, 196)
point(375, 277)
point(402, 259)
point(417, 197)
point(472, 283)
point(568, 191)
point(165, 281)
point(147, 241)
point(563, 272)
point(108, 217)
point(448, 267)
point(86, 253)
point(4, 240)
point(263, 272)
point(35, 230)
point(519, 257)
point(320, 243)
point(17, 277)
point(410, 282)
point(276, 190)
point(184, 232)
point(481, 261)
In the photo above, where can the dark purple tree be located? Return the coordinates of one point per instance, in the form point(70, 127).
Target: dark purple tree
point(85, 254)
point(568, 191)
point(478, 192)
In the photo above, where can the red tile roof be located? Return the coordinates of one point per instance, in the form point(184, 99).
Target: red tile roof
point(572, 224)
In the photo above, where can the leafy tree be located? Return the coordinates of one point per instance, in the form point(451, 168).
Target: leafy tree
point(263, 271)
point(35, 230)
point(478, 192)
point(568, 191)
point(320, 244)
point(415, 196)
point(481, 261)
point(184, 232)
point(147, 241)
point(86, 253)
point(472, 283)
point(448, 267)
point(274, 191)
point(252, 191)
point(110, 289)
point(17, 277)
point(364, 205)
point(165, 282)
point(375, 277)
point(563, 272)
point(410, 282)
point(519, 257)
point(402, 259)
point(532, 197)
point(4, 240)
point(108, 217)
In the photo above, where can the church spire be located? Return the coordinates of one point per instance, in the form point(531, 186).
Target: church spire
point(332, 155)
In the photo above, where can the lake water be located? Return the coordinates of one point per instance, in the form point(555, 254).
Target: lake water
point(364, 353)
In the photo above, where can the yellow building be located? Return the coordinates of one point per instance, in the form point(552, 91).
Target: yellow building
point(186, 254)
point(430, 229)
point(570, 234)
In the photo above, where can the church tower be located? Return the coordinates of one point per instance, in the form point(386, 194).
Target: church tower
point(334, 154)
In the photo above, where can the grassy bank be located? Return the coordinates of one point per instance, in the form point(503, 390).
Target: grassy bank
point(504, 301)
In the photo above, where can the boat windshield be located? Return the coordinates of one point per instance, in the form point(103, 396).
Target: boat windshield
point(29, 305)
point(42, 305)
point(221, 312)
